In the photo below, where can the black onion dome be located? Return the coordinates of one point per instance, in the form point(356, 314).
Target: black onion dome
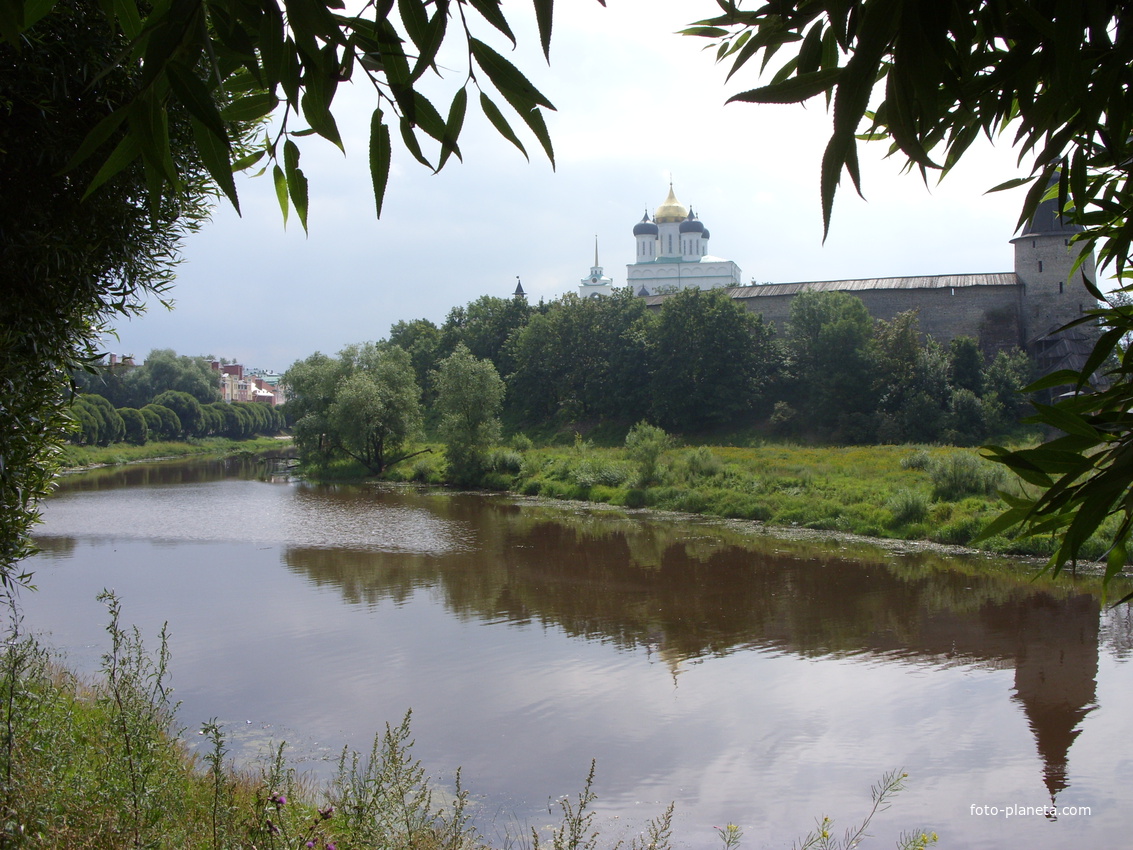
point(691, 224)
point(706, 234)
point(645, 227)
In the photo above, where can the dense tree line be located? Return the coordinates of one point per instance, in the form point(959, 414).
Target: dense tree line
point(172, 415)
point(704, 362)
point(129, 385)
point(167, 397)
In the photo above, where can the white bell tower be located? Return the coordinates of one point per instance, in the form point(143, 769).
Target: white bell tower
point(596, 283)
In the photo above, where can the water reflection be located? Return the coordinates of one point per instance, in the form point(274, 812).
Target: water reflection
point(686, 595)
point(677, 592)
point(273, 467)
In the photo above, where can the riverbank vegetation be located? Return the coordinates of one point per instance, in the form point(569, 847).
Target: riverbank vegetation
point(168, 397)
point(101, 762)
point(940, 494)
point(830, 375)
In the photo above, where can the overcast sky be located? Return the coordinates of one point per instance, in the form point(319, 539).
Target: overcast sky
point(636, 103)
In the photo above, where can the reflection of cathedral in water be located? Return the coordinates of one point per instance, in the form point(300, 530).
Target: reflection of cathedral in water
point(680, 596)
point(1052, 644)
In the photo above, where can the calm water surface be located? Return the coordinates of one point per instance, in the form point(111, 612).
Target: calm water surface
point(748, 679)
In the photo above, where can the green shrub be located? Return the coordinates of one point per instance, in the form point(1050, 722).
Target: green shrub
point(960, 531)
point(508, 461)
point(607, 495)
point(961, 474)
point(495, 481)
point(423, 471)
point(917, 460)
point(645, 444)
point(521, 443)
point(561, 490)
point(591, 471)
point(634, 498)
point(702, 463)
point(908, 506)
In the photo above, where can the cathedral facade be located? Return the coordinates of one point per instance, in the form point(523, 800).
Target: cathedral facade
point(672, 253)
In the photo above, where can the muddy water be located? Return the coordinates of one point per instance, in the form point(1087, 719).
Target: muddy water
point(750, 680)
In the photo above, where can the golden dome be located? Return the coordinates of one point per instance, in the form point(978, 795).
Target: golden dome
point(671, 209)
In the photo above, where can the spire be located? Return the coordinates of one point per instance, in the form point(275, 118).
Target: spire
point(596, 250)
point(519, 293)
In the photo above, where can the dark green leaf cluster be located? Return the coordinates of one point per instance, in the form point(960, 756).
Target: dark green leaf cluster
point(228, 65)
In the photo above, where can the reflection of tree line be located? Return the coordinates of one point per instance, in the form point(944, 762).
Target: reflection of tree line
point(690, 590)
point(179, 471)
point(704, 587)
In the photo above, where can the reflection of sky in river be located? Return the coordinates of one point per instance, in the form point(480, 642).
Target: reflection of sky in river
point(758, 734)
point(249, 511)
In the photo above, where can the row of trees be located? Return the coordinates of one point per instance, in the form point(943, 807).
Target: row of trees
point(705, 362)
point(172, 415)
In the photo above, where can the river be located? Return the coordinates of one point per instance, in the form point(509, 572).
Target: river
point(749, 679)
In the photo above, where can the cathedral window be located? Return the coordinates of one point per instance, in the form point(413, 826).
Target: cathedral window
point(1040, 265)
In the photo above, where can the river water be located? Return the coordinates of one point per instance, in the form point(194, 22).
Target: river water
point(750, 680)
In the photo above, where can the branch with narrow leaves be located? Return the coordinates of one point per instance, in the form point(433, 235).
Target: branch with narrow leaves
point(231, 67)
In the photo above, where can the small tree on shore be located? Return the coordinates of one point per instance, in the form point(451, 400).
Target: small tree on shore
point(645, 444)
point(470, 394)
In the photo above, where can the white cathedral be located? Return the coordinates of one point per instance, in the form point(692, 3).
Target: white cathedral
point(672, 254)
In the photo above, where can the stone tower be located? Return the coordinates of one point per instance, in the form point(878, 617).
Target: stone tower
point(1051, 290)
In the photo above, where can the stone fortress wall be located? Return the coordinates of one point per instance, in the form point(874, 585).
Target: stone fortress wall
point(1024, 308)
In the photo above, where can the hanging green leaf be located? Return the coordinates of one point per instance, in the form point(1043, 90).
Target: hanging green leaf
point(280, 180)
point(380, 157)
point(453, 126)
point(501, 124)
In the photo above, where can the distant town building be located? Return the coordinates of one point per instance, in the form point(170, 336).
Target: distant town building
point(237, 384)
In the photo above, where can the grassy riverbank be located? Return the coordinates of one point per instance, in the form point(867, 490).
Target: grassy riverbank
point(80, 457)
point(932, 493)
